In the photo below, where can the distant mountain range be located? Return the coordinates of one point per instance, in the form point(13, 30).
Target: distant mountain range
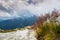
point(17, 22)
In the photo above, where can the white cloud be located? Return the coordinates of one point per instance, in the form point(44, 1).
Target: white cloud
point(37, 9)
point(45, 7)
point(3, 14)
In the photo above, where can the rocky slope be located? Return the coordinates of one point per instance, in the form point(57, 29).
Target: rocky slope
point(18, 35)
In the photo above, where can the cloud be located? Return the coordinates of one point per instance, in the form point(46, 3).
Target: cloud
point(2, 8)
point(41, 7)
point(44, 7)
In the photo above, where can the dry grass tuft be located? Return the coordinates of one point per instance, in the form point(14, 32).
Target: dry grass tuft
point(47, 27)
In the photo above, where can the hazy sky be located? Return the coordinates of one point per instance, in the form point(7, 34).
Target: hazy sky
point(11, 8)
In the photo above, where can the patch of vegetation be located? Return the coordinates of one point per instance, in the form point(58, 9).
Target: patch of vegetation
point(47, 27)
point(13, 30)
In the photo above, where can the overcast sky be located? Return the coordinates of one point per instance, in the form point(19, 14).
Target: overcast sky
point(11, 8)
